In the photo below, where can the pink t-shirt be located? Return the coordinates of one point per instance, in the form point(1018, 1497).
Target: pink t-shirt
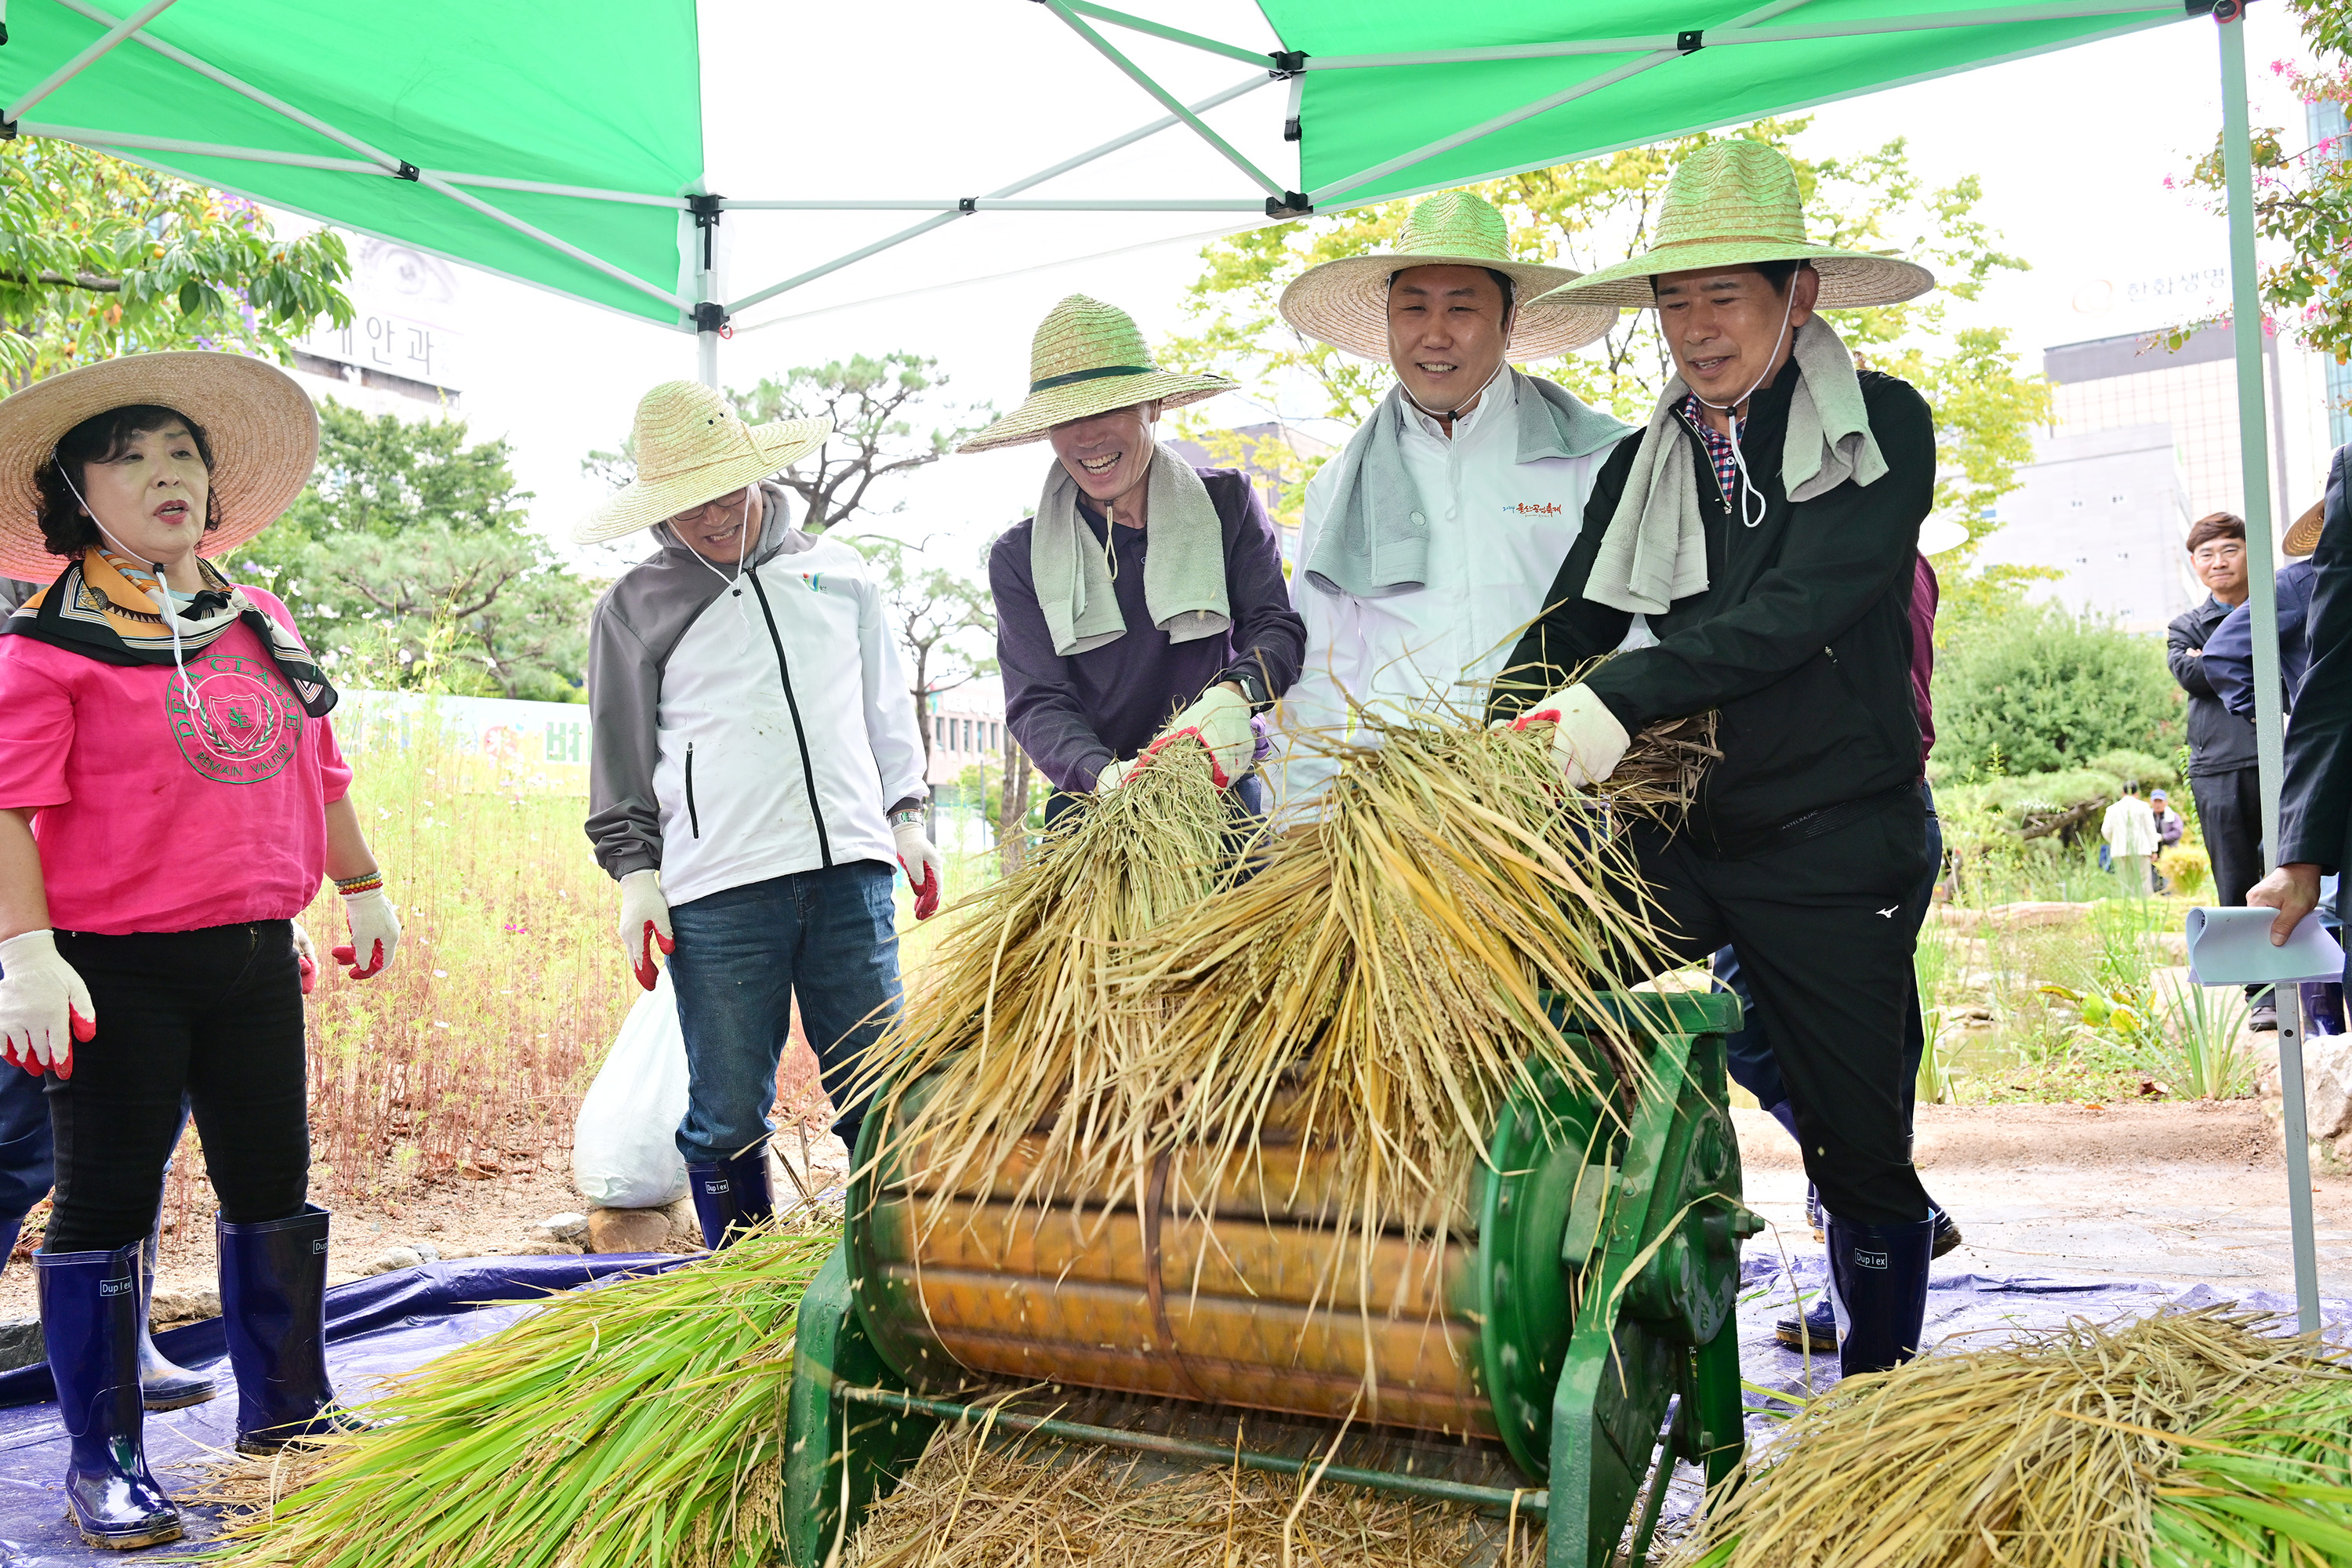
point(155, 818)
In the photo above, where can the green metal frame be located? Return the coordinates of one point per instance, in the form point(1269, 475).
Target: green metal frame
point(1581, 1360)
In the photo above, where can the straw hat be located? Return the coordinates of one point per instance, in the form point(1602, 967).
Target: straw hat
point(262, 430)
point(1735, 203)
point(692, 447)
point(1345, 303)
point(1938, 534)
point(1089, 358)
point(2304, 537)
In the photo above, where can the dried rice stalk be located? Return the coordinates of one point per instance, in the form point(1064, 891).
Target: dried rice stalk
point(968, 1505)
point(2185, 1439)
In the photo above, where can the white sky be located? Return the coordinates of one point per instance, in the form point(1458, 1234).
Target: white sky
point(2072, 150)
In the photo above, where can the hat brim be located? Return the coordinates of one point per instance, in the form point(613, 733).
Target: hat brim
point(1938, 534)
point(2304, 537)
point(1850, 279)
point(643, 502)
point(1085, 399)
point(1345, 303)
point(260, 425)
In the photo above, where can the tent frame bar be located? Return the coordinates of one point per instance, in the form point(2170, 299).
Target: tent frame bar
point(1167, 100)
point(82, 62)
point(399, 167)
point(999, 204)
point(1247, 85)
point(1738, 32)
point(1173, 35)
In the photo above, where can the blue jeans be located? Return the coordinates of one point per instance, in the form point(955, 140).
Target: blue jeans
point(827, 937)
point(26, 1164)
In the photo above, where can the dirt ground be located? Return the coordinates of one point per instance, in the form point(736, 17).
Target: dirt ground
point(2128, 1191)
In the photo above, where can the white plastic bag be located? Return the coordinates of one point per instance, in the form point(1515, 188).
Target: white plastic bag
point(625, 1146)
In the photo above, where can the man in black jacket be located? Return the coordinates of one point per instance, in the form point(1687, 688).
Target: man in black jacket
point(2315, 800)
point(1777, 574)
point(2222, 777)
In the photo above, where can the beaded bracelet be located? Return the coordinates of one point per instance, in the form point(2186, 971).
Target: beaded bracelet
point(365, 882)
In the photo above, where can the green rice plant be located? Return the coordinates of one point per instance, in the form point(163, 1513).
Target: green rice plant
point(1931, 963)
point(2199, 1047)
point(640, 1422)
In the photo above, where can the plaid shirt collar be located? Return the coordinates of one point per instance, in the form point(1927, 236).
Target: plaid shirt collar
point(1719, 448)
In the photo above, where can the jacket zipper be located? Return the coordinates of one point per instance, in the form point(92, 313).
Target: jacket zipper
point(1894, 747)
point(693, 818)
point(1706, 457)
point(792, 704)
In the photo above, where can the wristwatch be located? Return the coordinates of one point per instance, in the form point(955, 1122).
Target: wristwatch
point(903, 818)
point(1252, 681)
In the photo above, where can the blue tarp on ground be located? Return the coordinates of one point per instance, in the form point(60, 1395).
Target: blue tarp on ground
point(375, 1328)
point(395, 1321)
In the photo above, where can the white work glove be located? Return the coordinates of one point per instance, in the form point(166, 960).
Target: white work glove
point(44, 1005)
point(644, 922)
point(1587, 741)
point(1220, 721)
point(375, 932)
point(1115, 774)
point(306, 958)
point(920, 858)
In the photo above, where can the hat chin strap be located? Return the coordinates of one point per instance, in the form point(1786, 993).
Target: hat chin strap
point(170, 612)
point(1738, 457)
point(1509, 322)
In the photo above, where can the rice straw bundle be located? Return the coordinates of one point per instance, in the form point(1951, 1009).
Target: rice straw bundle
point(973, 1505)
point(2185, 1439)
point(1013, 998)
point(642, 1421)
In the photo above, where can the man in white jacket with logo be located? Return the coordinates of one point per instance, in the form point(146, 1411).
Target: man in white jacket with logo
point(755, 772)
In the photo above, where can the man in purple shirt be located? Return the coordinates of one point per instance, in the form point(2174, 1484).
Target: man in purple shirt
point(1145, 599)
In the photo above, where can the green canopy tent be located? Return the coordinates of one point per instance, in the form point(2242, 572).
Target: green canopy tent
point(602, 150)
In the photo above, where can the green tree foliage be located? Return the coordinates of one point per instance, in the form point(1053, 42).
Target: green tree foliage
point(1600, 211)
point(409, 565)
point(944, 620)
point(2037, 691)
point(2303, 196)
point(100, 258)
point(872, 405)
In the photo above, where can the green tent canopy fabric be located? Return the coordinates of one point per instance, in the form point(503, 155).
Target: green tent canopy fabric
point(561, 145)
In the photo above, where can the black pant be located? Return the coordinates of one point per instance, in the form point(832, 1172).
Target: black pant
point(1825, 936)
point(2230, 813)
point(214, 1014)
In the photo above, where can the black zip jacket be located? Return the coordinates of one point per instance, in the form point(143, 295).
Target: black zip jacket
point(1801, 640)
point(2220, 742)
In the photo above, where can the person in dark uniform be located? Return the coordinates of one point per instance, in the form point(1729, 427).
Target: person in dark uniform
point(1767, 521)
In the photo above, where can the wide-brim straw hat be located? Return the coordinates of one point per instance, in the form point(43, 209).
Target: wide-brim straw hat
point(1088, 358)
point(1736, 203)
point(1345, 303)
point(2304, 537)
point(259, 424)
point(691, 446)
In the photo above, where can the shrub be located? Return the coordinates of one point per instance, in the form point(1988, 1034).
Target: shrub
point(2039, 692)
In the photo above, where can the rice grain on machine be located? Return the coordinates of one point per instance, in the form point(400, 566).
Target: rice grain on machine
point(1547, 1352)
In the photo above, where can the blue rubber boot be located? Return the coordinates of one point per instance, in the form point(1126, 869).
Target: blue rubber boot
point(273, 1280)
point(1878, 1274)
point(730, 1196)
point(163, 1383)
point(90, 1322)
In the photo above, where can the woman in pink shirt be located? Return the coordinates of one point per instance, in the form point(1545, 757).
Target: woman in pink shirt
point(170, 795)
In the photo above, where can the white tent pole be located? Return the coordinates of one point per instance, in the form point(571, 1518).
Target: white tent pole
point(710, 316)
point(2246, 326)
point(531, 231)
point(87, 137)
point(1445, 144)
point(1735, 33)
point(82, 61)
point(1168, 99)
point(991, 204)
point(1016, 188)
point(1173, 35)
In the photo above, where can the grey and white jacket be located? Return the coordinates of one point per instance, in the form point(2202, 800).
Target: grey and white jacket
point(747, 728)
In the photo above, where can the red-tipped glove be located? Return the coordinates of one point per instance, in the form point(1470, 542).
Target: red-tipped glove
point(44, 1005)
point(645, 923)
point(306, 958)
point(920, 858)
point(1587, 741)
point(376, 930)
point(1219, 720)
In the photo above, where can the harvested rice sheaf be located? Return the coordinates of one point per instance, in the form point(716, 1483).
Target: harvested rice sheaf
point(639, 1422)
point(972, 1505)
point(2185, 1440)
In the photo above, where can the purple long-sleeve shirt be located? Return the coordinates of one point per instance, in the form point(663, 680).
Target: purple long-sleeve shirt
point(1073, 715)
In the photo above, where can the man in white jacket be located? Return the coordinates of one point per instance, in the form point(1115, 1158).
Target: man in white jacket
point(2129, 828)
point(755, 772)
point(1429, 541)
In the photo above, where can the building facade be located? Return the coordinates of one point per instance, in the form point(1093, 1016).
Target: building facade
point(2106, 510)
